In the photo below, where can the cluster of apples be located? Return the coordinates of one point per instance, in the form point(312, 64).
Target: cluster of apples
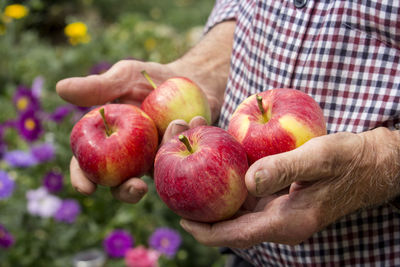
point(199, 174)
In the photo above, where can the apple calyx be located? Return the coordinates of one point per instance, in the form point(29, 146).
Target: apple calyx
point(261, 108)
point(148, 78)
point(186, 142)
point(106, 125)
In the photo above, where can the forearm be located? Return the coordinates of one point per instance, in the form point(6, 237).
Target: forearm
point(385, 146)
point(208, 63)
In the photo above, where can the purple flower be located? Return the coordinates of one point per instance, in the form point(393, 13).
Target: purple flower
point(82, 109)
point(100, 67)
point(165, 241)
point(41, 203)
point(6, 239)
point(6, 185)
point(43, 152)
point(60, 113)
point(37, 86)
point(29, 126)
point(3, 148)
point(117, 243)
point(68, 211)
point(19, 158)
point(25, 100)
point(53, 182)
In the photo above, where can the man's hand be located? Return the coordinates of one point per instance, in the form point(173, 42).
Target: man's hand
point(298, 193)
point(207, 64)
point(125, 83)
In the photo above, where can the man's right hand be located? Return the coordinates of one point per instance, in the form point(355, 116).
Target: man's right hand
point(125, 83)
point(207, 64)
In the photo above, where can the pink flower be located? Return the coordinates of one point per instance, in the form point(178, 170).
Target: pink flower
point(141, 257)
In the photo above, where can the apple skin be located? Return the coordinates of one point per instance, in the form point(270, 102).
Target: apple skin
point(207, 185)
point(293, 118)
point(176, 98)
point(128, 152)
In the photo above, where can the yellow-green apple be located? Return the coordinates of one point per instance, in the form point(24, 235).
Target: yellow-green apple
point(276, 121)
point(175, 98)
point(200, 174)
point(114, 142)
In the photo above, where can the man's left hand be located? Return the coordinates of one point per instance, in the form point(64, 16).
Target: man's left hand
point(297, 193)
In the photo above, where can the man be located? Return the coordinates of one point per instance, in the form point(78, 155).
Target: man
point(329, 201)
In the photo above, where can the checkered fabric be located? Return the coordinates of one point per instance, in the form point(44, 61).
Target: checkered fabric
point(346, 55)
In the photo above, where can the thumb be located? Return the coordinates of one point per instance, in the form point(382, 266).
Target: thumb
point(100, 89)
point(309, 162)
point(87, 91)
point(174, 128)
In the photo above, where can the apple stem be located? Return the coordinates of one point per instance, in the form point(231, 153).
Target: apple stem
point(260, 105)
point(103, 116)
point(184, 140)
point(147, 76)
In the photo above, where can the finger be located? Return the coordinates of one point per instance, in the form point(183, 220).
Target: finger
point(78, 179)
point(316, 159)
point(197, 121)
point(240, 232)
point(278, 222)
point(174, 128)
point(92, 90)
point(87, 91)
point(131, 191)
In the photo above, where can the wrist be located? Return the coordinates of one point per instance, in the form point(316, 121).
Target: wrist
point(386, 147)
point(208, 63)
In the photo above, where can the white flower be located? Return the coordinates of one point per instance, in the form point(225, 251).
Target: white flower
point(41, 203)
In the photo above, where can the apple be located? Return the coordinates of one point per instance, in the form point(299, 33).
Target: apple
point(114, 142)
point(175, 98)
point(276, 121)
point(199, 174)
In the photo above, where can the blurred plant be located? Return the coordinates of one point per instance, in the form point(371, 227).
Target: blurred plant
point(166, 241)
point(50, 222)
point(6, 185)
point(41, 203)
point(53, 182)
point(16, 11)
point(141, 257)
point(77, 33)
point(43, 152)
point(19, 159)
point(117, 243)
point(6, 238)
point(68, 211)
point(100, 67)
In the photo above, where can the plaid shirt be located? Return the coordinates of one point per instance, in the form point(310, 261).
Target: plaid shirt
point(346, 55)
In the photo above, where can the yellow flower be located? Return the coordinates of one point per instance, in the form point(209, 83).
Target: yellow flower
point(77, 33)
point(15, 11)
point(150, 44)
point(2, 29)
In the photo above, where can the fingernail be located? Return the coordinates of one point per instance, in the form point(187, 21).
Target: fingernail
point(178, 128)
point(260, 177)
point(183, 224)
point(137, 192)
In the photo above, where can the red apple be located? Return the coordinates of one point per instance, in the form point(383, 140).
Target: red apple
point(176, 98)
point(113, 143)
point(200, 174)
point(278, 121)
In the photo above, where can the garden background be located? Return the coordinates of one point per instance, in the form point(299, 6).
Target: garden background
point(43, 220)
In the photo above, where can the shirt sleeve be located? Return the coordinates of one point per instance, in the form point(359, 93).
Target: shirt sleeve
point(223, 10)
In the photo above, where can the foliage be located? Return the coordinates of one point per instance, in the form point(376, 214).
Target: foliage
point(36, 46)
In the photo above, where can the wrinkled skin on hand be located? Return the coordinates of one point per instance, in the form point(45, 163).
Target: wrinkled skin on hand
point(123, 83)
point(298, 193)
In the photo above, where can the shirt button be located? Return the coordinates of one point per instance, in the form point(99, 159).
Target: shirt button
point(300, 3)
